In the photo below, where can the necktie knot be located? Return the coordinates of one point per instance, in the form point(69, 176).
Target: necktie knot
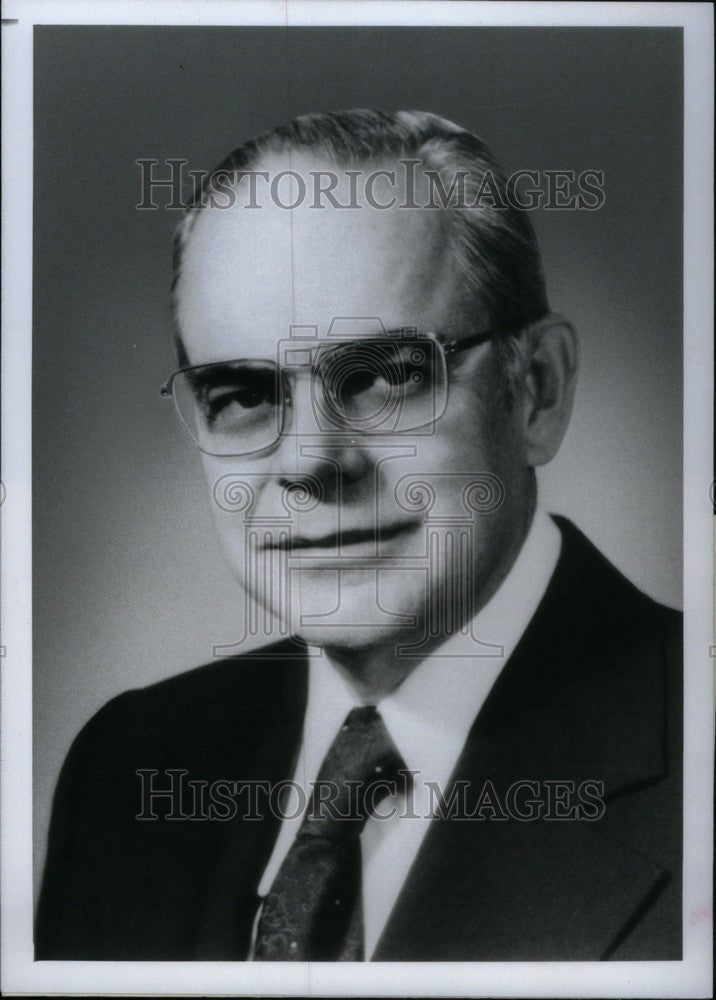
point(361, 768)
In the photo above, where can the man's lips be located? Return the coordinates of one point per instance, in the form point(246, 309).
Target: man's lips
point(340, 539)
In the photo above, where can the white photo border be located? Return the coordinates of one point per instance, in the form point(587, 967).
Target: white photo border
point(690, 977)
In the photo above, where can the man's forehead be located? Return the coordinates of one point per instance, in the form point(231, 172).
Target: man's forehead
point(274, 266)
point(287, 203)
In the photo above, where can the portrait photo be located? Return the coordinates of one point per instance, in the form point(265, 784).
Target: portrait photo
point(366, 539)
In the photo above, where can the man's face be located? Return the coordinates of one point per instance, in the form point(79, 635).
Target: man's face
point(249, 276)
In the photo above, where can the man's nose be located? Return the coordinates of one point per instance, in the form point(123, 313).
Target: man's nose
point(308, 413)
point(314, 450)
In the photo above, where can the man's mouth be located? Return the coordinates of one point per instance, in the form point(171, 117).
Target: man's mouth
point(347, 539)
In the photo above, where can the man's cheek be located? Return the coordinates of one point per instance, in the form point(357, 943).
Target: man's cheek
point(233, 497)
point(233, 544)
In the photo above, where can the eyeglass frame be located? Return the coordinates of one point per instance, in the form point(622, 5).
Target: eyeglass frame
point(449, 348)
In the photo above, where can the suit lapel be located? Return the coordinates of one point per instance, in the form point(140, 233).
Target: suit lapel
point(548, 892)
point(579, 700)
point(275, 713)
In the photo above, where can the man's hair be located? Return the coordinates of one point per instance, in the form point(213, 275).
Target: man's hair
point(493, 245)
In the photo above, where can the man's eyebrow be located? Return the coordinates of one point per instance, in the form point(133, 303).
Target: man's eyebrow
point(216, 371)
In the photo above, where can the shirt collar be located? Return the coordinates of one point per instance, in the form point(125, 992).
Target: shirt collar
point(429, 715)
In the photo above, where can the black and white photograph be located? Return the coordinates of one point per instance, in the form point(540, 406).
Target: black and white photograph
point(357, 499)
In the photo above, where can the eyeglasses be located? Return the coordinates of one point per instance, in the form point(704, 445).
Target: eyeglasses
point(373, 386)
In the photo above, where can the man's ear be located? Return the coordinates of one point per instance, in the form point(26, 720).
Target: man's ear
point(548, 390)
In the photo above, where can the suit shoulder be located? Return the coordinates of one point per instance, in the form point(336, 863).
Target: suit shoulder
point(600, 587)
point(215, 696)
point(257, 669)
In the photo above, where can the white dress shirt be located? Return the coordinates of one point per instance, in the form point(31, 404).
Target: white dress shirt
point(428, 716)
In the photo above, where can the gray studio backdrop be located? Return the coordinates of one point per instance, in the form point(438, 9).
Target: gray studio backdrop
point(129, 585)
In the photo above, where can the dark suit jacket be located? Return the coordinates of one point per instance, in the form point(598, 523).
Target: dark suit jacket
point(592, 691)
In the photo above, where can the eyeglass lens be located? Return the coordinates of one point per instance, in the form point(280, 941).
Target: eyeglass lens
point(368, 386)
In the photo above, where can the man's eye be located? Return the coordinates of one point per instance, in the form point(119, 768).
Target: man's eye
point(355, 382)
point(233, 400)
point(247, 398)
point(380, 369)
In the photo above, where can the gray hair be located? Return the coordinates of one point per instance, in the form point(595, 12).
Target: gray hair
point(493, 246)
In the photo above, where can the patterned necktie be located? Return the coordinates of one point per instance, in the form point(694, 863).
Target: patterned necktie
point(313, 910)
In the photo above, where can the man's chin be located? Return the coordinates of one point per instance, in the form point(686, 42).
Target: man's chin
point(349, 639)
point(360, 610)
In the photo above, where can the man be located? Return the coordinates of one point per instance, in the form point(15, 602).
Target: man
point(465, 746)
